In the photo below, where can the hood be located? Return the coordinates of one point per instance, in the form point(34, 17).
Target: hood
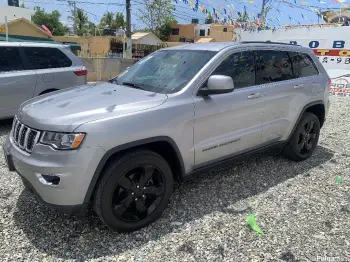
point(65, 110)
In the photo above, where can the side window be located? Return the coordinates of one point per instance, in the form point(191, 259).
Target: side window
point(302, 65)
point(241, 67)
point(46, 57)
point(272, 66)
point(10, 59)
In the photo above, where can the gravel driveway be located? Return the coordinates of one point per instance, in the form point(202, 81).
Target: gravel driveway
point(303, 211)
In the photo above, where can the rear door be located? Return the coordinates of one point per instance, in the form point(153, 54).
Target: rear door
point(17, 83)
point(285, 93)
point(54, 68)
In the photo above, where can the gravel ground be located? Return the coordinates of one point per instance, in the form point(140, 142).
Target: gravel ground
point(303, 211)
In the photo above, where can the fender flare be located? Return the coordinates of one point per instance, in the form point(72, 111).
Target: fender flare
point(122, 147)
point(319, 102)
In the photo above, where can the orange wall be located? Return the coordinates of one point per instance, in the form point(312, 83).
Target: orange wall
point(90, 45)
point(217, 32)
point(186, 30)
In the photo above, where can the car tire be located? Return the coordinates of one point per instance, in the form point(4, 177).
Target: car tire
point(304, 139)
point(130, 184)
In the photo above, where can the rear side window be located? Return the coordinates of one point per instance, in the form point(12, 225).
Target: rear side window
point(45, 57)
point(303, 65)
point(10, 59)
point(241, 67)
point(272, 66)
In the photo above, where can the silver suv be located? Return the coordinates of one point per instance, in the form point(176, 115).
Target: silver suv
point(31, 69)
point(120, 145)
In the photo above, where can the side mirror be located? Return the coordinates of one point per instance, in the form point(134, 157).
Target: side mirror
point(217, 84)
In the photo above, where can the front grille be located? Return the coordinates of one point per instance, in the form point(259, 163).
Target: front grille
point(23, 136)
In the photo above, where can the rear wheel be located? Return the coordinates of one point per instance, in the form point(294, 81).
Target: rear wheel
point(134, 191)
point(305, 138)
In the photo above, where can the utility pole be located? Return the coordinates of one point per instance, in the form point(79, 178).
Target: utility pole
point(6, 29)
point(73, 4)
point(128, 29)
point(262, 12)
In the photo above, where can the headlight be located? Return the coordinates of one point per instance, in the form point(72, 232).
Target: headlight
point(62, 141)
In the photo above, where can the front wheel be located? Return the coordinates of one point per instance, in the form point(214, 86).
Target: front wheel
point(304, 139)
point(134, 191)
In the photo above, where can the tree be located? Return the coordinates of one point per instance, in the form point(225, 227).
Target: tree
point(243, 17)
point(92, 28)
point(209, 19)
point(113, 22)
point(165, 30)
point(119, 21)
point(108, 20)
point(50, 20)
point(81, 22)
point(158, 16)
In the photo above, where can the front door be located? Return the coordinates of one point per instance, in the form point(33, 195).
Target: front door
point(229, 124)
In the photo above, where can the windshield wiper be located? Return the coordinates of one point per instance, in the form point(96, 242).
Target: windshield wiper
point(134, 85)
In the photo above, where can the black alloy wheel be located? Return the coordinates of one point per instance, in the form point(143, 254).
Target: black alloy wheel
point(134, 190)
point(307, 137)
point(304, 139)
point(137, 193)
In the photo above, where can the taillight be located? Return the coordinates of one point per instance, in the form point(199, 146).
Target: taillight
point(81, 72)
point(329, 83)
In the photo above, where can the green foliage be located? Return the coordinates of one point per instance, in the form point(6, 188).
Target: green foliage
point(92, 29)
point(50, 20)
point(119, 21)
point(209, 19)
point(81, 22)
point(112, 21)
point(158, 16)
point(164, 31)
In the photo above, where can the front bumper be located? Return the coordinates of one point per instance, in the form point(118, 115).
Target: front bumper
point(75, 169)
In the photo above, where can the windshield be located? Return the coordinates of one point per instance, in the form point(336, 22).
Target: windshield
point(165, 71)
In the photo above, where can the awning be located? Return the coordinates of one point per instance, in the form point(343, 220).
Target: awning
point(206, 40)
point(73, 46)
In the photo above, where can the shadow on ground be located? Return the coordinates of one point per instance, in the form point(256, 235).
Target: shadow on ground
point(67, 237)
point(5, 126)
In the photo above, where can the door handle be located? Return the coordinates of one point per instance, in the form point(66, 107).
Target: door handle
point(252, 96)
point(298, 86)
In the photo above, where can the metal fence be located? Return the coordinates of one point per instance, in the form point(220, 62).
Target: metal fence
point(102, 68)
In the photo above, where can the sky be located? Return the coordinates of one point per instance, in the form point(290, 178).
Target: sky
point(282, 11)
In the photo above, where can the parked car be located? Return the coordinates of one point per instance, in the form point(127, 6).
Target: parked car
point(32, 69)
point(119, 146)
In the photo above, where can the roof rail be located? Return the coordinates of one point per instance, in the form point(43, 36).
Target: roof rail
point(266, 42)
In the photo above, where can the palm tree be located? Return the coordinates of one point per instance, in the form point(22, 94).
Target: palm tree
point(108, 20)
point(81, 22)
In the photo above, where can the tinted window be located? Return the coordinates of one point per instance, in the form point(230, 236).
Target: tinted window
point(302, 65)
point(10, 59)
point(272, 66)
point(240, 66)
point(45, 57)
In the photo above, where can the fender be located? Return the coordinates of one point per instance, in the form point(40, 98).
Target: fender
point(319, 102)
point(120, 148)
